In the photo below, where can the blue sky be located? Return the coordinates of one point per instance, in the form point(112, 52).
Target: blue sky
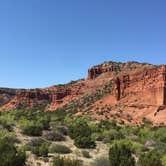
point(46, 42)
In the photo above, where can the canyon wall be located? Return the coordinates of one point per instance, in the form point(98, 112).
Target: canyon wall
point(149, 85)
point(145, 81)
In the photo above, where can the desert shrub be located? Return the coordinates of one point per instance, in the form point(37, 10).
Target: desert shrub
point(38, 146)
point(57, 126)
point(45, 120)
point(145, 134)
point(62, 129)
point(62, 161)
point(9, 155)
point(84, 142)
point(120, 155)
point(106, 125)
point(102, 161)
point(79, 128)
point(151, 158)
point(95, 127)
point(41, 150)
point(54, 136)
point(7, 121)
point(129, 130)
point(61, 149)
point(160, 134)
point(58, 115)
point(81, 133)
point(129, 118)
point(112, 134)
point(31, 128)
point(160, 148)
point(10, 136)
point(146, 122)
point(163, 160)
point(97, 136)
point(36, 142)
point(86, 154)
point(137, 148)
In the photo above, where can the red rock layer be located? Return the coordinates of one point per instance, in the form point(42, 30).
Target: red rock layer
point(149, 85)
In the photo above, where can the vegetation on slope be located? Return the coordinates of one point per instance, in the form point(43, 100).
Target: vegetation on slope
point(48, 132)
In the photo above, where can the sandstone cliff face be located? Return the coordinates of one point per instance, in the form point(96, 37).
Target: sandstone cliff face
point(148, 84)
point(112, 67)
point(27, 99)
point(51, 98)
point(139, 92)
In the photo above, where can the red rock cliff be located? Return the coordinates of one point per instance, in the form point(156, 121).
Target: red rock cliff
point(95, 71)
point(149, 84)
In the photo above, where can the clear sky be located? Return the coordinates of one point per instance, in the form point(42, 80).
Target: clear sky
point(46, 42)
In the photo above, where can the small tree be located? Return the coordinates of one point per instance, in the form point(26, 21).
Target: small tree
point(121, 155)
point(79, 129)
point(81, 133)
point(31, 128)
point(84, 142)
point(9, 155)
point(151, 158)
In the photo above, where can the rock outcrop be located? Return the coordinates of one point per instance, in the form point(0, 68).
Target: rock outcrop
point(113, 67)
point(50, 98)
point(6, 94)
point(149, 84)
point(27, 99)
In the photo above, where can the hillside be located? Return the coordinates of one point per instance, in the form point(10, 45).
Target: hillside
point(128, 92)
point(116, 116)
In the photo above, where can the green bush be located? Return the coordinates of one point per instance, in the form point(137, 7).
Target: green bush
point(62, 161)
point(113, 134)
point(9, 155)
point(151, 158)
point(137, 148)
point(36, 142)
point(41, 150)
point(145, 134)
point(79, 128)
point(10, 136)
point(128, 131)
point(121, 155)
point(97, 136)
point(45, 120)
point(62, 129)
point(31, 128)
point(38, 146)
point(54, 136)
point(7, 121)
point(106, 125)
point(84, 142)
point(164, 160)
point(160, 134)
point(146, 122)
point(61, 149)
point(86, 154)
point(81, 133)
